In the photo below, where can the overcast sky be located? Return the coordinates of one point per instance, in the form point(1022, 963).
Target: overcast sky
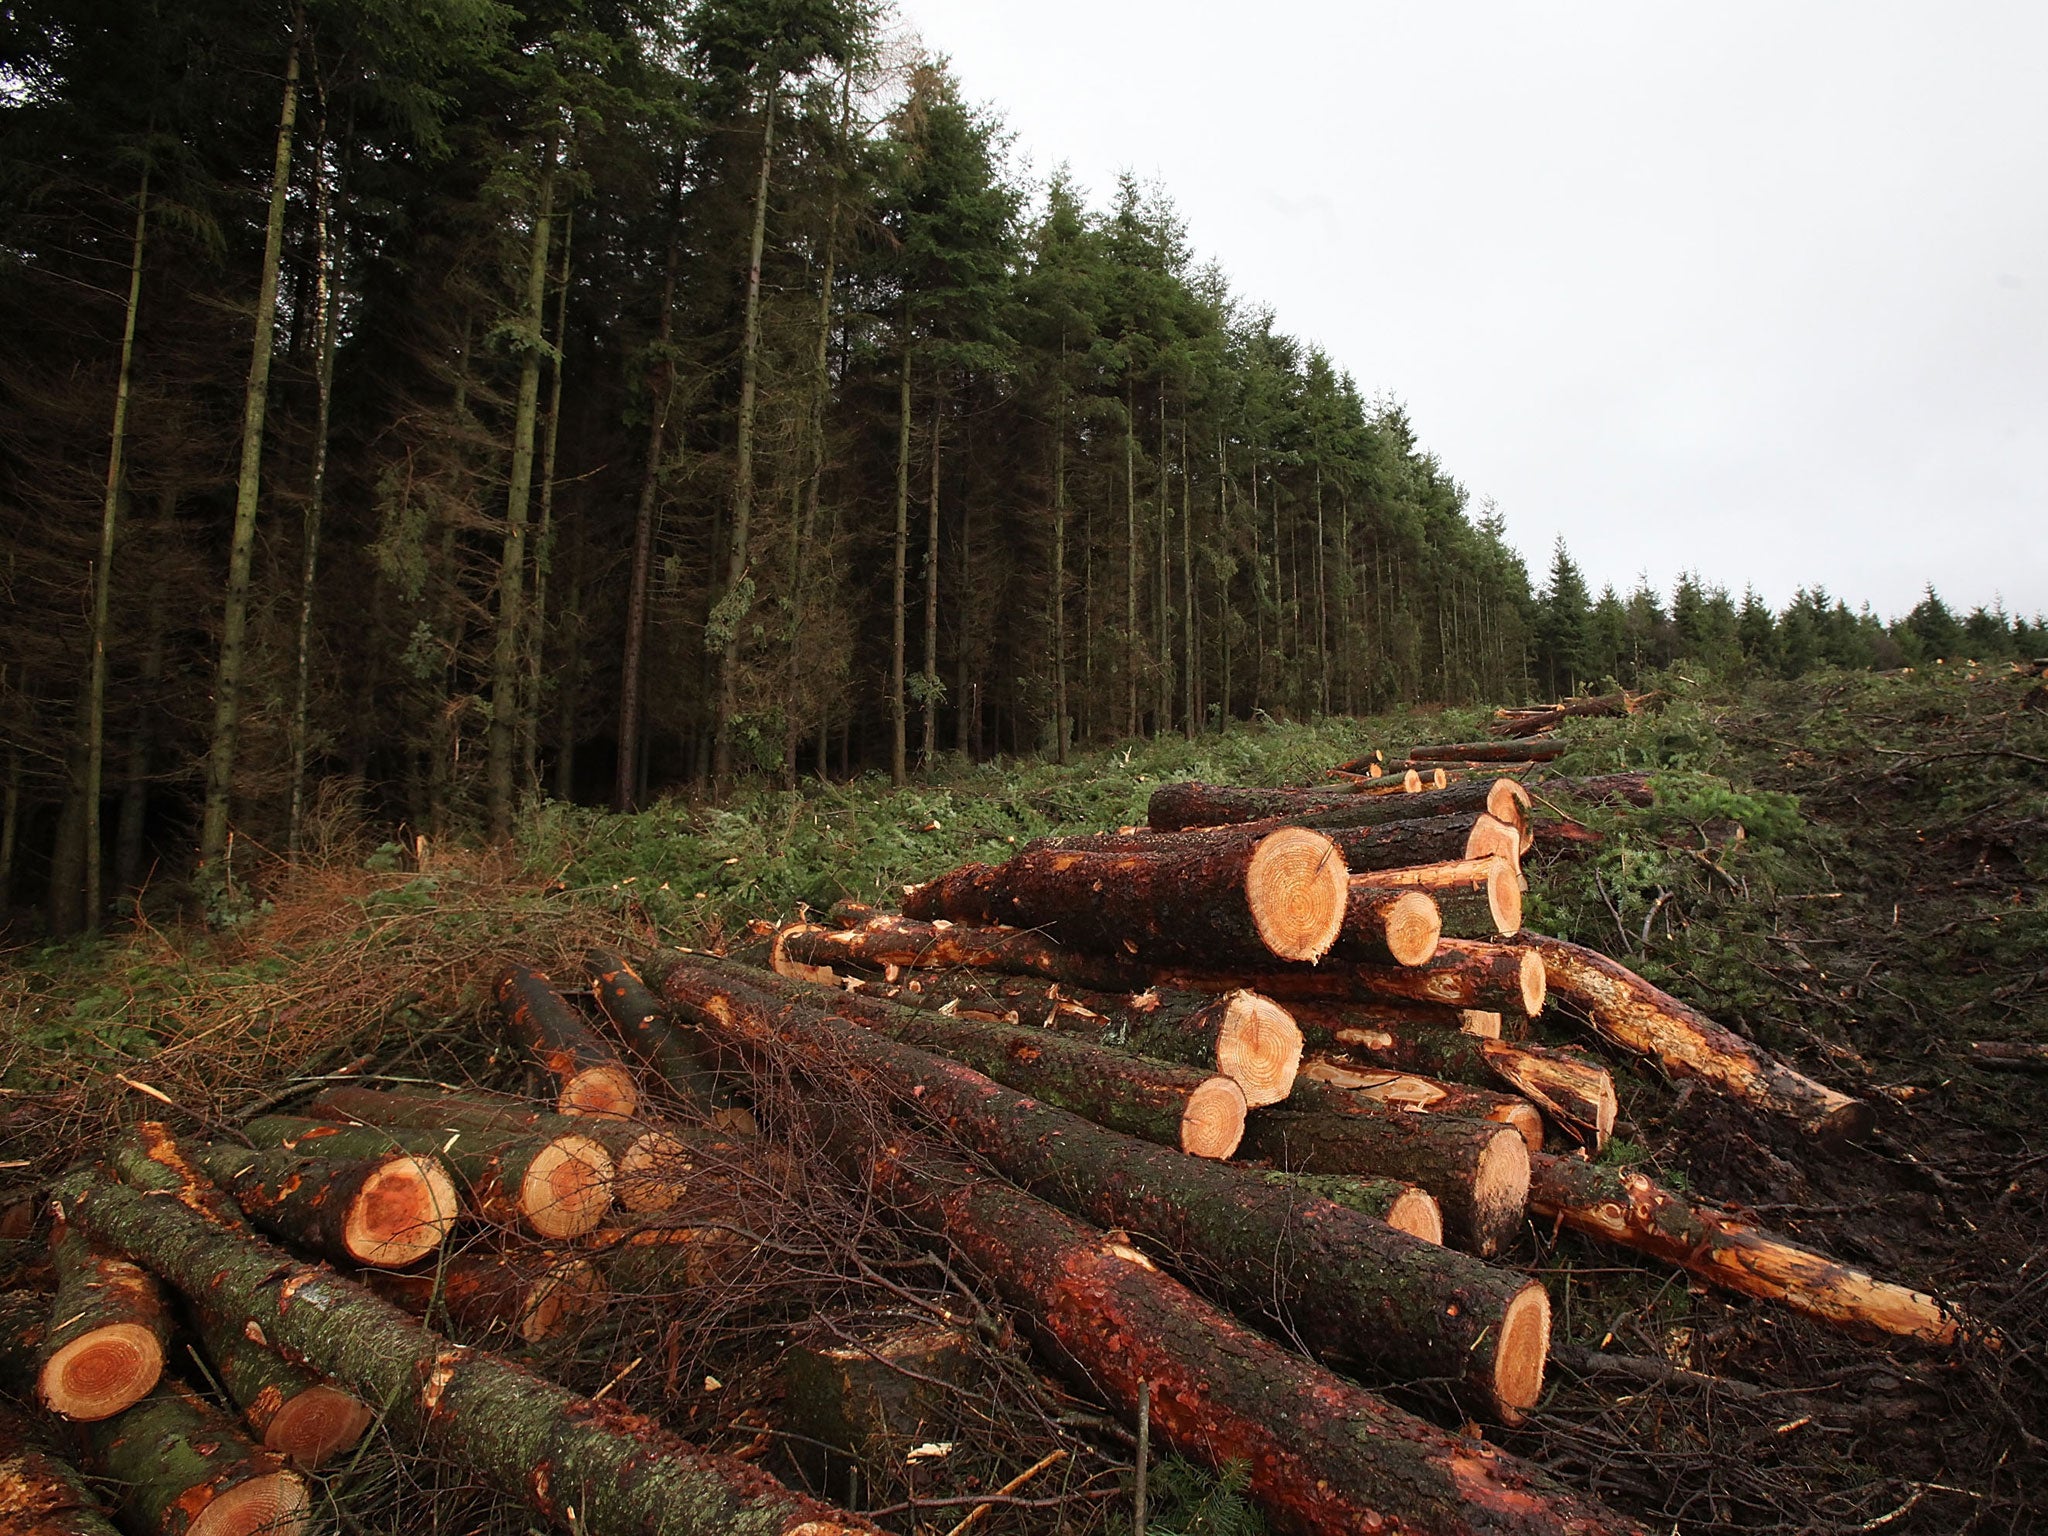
point(1756, 290)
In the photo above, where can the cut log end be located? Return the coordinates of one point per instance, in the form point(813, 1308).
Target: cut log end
point(1411, 782)
point(567, 1188)
point(1296, 887)
point(1212, 1124)
point(316, 1424)
point(1523, 1118)
point(1847, 1121)
point(1492, 837)
point(1416, 1212)
point(1414, 924)
point(1508, 801)
point(102, 1373)
point(1523, 1353)
point(274, 1503)
point(570, 1291)
point(650, 1173)
point(606, 1091)
point(401, 1213)
point(1500, 1191)
point(1483, 1022)
point(1504, 897)
point(1258, 1046)
point(1535, 983)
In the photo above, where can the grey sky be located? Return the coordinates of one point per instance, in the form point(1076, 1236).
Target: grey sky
point(1753, 289)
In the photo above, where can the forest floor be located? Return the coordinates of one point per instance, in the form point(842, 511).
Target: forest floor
point(1884, 904)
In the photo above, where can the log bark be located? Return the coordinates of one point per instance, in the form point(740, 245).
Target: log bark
point(582, 1466)
point(1417, 1094)
point(1173, 805)
point(1627, 1208)
point(1225, 897)
point(1530, 720)
point(2007, 1055)
point(103, 1350)
point(592, 1078)
point(872, 1397)
point(1245, 1037)
point(638, 1018)
point(1463, 973)
point(1345, 1284)
point(1603, 788)
point(379, 1208)
point(554, 1186)
point(1575, 1091)
point(1489, 752)
point(1388, 927)
point(1188, 803)
point(42, 1494)
point(529, 1294)
point(293, 1412)
point(1478, 1171)
point(669, 1257)
point(1403, 1206)
point(1495, 880)
point(1627, 1010)
point(185, 1470)
point(891, 945)
point(651, 1165)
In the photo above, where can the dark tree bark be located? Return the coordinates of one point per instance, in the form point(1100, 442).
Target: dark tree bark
point(103, 1350)
point(528, 1294)
point(185, 1470)
point(593, 1080)
point(41, 1493)
point(374, 1206)
point(294, 1412)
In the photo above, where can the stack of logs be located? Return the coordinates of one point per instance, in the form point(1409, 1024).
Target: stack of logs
point(1258, 1071)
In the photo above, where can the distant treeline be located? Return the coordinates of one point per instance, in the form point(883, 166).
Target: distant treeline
point(408, 408)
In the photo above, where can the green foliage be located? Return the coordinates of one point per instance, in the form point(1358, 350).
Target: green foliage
point(1182, 1499)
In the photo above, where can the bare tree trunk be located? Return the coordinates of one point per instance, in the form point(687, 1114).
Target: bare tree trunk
point(1059, 568)
point(663, 382)
point(103, 571)
point(899, 726)
point(1133, 648)
point(227, 684)
point(544, 541)
point(128, 829)
point(930, 747)
point(505, 691)
point(1190, 658)
point(1162, 618)
point(1322, 606)
point(572, 671)
point(10, 800)
point(734, 599)
point(326, 298)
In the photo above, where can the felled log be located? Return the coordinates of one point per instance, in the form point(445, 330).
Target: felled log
point(593, 1080)
point(1347, 1284)
point(42, 1494)
point(1628, 1011)
point(103, 1350)
point(555, 1186)
point(1489, 752)
point(1600, 788)
point(892, 945)
point(621, 1473)
point(1628, 1208)
point(1529, 720)
point(873, 1396)
point(1478, 1170)
point(1388, 927)
point(529, 1293)
point(1200, 1112)
point(1575, 1091)
point(650, 1164)
point(2007, 1055)
point(1413, 1092)
point(635, 1011)
point(383, 1208)
point(1245, 1037)
point(1365, 843)
point(1495, 880)
point(1426, 840)
point(1188, 803)
point(1403, 1206)
point(292, 1411)
point(1224, 897)
point(185, 1470)
point(1428, 775)
point(1173, 806)
point(656, 1258)
point(1463, 973)
point(1562, 838)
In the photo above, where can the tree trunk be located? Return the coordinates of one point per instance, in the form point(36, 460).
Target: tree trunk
point(735, 595)
point(1400, 1205)
point(1346, 1284)
point(104, 1349)
point(185, 1470)
point(1627, 1208)
point(889, 943)
point(365, 1205)
point(1489, 752)
point(535, 646)
point(621, 1473)
point(529, 1294)
point(1627, 1010)
point(1162, 586)
point(326, 302)
point(930, 689)
point(1495, 880)
point(1133, 647)
point(1575, 1090)
point(554, 1186)
point(1244, 899)
point(1059, 569)
point(41, 1494)
point(1463, 973)
point(592, 1078)
point(1388, 927)
point(625, 780)
point(1176, 807)
point(503, 742)
point(899, 745)
point(1416, 1094)
point(103, 573)
point(227, 681)
point(294, 1412)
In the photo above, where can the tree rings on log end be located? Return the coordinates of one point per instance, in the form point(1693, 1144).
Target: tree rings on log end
point(650, 1173)
point(1490, 836)
point(1414, 924)
point(1535, 983)
point(1845, 1122)
point(1258, 1046)
point(1212, 1124)
point(1521, 1116)
point(1483, 1022)
point(1416, 1212)
point(315, 1424)
point(274, 1503)
point(571, 1290)
point(1500, 1191)
point(401, 1212)
point(1522, 1353)
point(567, 1187)
point(606, 1091)
point(1296, 886)
point(102, 1373)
